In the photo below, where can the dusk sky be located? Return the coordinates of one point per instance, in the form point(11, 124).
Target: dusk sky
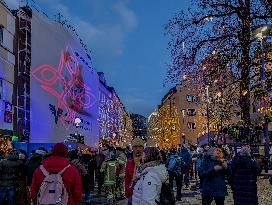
point(127, 41)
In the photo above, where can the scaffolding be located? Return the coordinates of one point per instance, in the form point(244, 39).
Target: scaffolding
point(22, 110)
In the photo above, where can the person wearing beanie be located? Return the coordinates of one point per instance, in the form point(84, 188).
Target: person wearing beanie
point(131, 166)
point(55, 163)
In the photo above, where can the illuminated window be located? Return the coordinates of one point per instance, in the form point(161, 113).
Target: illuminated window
point(190, 98)
point(191, 125)
point(1, 35)
point(191, 112)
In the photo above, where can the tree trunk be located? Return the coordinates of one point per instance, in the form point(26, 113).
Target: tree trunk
point(245, 65)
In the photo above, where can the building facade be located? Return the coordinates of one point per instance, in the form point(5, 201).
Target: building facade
point(139, 126)
point(125, 129)
point(180, 118)
point(115, 124)
point(105, 96)
point(46, 84)
point(7, 64)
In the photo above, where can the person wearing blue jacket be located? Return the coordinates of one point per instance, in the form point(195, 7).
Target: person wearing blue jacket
point(185, 155)
point(213, 171)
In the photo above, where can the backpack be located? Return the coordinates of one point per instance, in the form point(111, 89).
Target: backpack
point(52, 190)
point(172, 164)
point(167, 196)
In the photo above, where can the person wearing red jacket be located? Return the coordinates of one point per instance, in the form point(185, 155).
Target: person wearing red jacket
point(132, 165)
point(55, 163)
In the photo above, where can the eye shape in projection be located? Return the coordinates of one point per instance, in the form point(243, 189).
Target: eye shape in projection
point(74, 95)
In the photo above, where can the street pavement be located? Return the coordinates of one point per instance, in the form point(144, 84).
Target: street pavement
point(190, 197)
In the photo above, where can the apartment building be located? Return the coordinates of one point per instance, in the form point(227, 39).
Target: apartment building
point(7, 64)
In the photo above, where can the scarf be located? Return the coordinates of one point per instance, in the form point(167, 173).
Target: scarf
point(140, 172)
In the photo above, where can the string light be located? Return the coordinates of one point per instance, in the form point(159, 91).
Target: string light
point(5, 144)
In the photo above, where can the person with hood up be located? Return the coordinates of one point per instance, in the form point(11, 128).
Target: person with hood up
point(243, 178)
point(213, 170)
point(54, 164)
point(11, 169)
point(149, 178)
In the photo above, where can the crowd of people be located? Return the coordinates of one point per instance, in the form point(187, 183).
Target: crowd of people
point(139, 173)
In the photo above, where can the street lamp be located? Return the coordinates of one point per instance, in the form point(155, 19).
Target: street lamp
point(260, 33)
point(207, 111)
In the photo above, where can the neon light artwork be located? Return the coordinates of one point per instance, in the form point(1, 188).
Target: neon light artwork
point(66, 84)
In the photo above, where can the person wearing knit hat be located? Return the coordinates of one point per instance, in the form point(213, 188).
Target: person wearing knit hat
point(55, 163)
point(138, 149)
point(132, 165)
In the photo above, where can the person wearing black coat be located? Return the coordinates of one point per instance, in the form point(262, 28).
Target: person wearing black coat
point(243, 178)
point(11, 169)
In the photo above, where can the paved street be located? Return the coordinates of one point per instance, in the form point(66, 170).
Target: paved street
point(194, 197)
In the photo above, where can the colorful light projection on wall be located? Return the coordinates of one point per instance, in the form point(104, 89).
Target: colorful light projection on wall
point(66, 84)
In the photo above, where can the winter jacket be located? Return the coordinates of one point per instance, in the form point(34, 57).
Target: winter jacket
point(88, 180)
point(199, 161)
point(31, 165)
point(243, 178)
point(148, 188)
point(129, 174)
point(213, 181)
point(186, 157)
point(71, 178)
point(11, 169)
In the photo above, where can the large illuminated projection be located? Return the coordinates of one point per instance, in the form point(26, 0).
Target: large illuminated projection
point(66, 84)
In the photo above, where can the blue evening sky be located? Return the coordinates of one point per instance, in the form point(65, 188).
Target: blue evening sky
point(127, 41)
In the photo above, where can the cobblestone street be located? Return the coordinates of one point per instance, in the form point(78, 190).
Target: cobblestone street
point(194, 197)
